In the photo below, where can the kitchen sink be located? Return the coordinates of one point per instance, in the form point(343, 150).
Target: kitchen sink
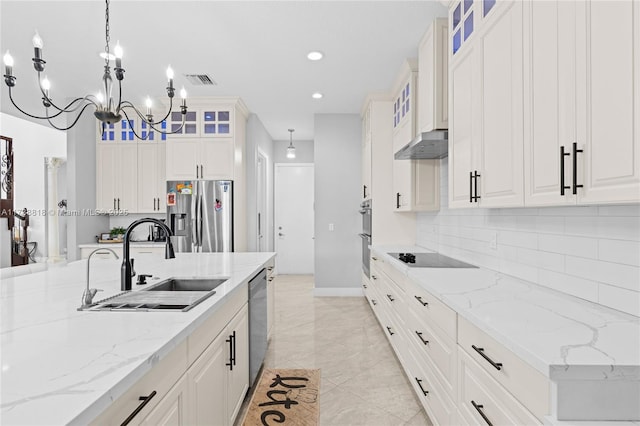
point(172, 294)
point(187, 284)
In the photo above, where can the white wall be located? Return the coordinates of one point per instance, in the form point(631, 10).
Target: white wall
point(337, 153)
point(81, 186)
point(258, 138)
point(304, 152)
point(31, 144)
point(591, 252)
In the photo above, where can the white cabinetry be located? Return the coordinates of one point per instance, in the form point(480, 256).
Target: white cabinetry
point(415, 182)
point(202, 381)
point(366, 154)
point(271, 298)
point(200, 158)
point(151, 177)
point(486, 126)
point(433, 106)
point(116, 177)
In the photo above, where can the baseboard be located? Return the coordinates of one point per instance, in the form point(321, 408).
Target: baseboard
point(338, 292)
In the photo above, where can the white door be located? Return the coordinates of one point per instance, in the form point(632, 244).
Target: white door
point(294, 222)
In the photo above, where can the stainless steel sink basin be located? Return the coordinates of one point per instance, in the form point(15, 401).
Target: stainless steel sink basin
point(187, 284)
point(172, 294)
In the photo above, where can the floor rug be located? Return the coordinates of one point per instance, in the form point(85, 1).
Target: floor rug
point(285, 397)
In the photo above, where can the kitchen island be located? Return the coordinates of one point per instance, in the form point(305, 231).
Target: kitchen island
point(64, 366)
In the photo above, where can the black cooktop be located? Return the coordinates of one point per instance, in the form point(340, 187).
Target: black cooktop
point(429, 260)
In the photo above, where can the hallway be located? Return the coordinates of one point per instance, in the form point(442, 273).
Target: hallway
point(362, 382)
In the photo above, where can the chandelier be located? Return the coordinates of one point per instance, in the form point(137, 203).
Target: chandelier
point(106, 109)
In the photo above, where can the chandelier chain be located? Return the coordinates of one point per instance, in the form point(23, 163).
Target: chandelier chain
point(106, 29)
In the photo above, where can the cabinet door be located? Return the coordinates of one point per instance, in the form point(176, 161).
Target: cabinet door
point(432, 78)
point(402, 189)
point(207, 379)
point(172, 409)
point(148, 177)
point(216, 158)
point(191, 124)
point(463, 131)
point(501, 162)
point(161, 176)
point(238, 377)
point(550, 114)
point(183, 159)
point(608, 101)
point(426, 185)
point(366, 170)
point(127, 197)
point(106, 167)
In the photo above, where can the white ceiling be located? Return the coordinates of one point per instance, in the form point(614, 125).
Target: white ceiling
point(252, 49)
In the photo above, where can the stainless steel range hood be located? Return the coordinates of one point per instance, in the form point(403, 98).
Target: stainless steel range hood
point(426, 146)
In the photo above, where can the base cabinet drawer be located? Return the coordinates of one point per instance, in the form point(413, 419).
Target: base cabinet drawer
point(483, 401)
point(440, 407)
point(430, 309)
point(517, 377)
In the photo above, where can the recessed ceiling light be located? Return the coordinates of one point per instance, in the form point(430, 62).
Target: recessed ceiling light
point(317, 95)
point(315, 55)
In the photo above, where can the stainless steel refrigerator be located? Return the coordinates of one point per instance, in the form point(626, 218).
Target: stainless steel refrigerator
point(200, 214)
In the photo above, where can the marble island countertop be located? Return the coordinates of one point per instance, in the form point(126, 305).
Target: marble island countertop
point(64, 366)
point(563, 337)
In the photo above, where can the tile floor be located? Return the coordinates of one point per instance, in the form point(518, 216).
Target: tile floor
point(362, 382)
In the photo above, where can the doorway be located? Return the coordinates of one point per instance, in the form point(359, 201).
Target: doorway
point(294, 218)
point(262, 194)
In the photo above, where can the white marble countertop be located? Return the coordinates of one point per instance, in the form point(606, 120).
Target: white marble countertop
point(63, 366)
point(563, 337)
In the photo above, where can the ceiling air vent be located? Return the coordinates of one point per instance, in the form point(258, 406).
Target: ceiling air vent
point(200, 80)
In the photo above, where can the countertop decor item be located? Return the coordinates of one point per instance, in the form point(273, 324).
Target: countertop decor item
point(106, 108)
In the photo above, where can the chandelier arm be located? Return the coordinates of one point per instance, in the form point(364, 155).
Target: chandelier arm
point(168, 112)
point(67, 108)
point(127, 104)
point(26, 113)
point(162, 132)
point(72, 124)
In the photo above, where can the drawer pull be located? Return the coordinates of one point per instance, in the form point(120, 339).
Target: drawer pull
point(479, 408)
point(426, 342)
point(270, 279)
point(496, 365)
point(374, 277)
point(391, 333)
point(390, 297)
point(269, 268)
point(419, 299)
point(145, 400)
point(364, 285)
point(374, 258)
point(419, 382)
point(374, 302)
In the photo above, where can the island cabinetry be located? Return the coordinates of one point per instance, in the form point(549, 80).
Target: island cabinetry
point(201, 381)
point(271, 297)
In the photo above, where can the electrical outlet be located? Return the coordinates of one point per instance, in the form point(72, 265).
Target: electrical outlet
point(493, 243)
point(331, 227)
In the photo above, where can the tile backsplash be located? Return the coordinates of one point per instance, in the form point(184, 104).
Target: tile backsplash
point(592, 252)
point(141, 232)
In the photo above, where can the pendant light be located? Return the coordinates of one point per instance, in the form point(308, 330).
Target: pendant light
point(291, 150)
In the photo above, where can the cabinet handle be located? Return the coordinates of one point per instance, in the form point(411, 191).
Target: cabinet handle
point(575, 167)
point(374, 277)
point(114, 204)
point(471, 187)
point(154, 205)
point(364, 191)
point(390, 297)
point(419, 382)
point(145, 400)
point(270, 279)
point(496, 365)
point(374, 258)
point(118, 203)
point(562, 185)
point(419, 299)
point(201, 171)
point(374, 302)
point(197, 172)
point(397, 200)
point(391, 333)
point(230, 341)
point(476, 175)
point(425, 342)
point(364, 285)
point(479, 408)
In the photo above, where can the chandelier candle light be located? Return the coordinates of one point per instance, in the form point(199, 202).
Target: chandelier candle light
point(106, 109)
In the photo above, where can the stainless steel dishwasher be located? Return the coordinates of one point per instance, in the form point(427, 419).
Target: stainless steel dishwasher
point(257, 323)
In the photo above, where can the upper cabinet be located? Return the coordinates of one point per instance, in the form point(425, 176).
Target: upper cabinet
point(486, 105)
point(404, 116)
point(544, 103)
point(366, 154)
point(433, 109)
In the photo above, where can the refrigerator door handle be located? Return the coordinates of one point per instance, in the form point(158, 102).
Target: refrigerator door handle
point(200, 215)
point(196, 224)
